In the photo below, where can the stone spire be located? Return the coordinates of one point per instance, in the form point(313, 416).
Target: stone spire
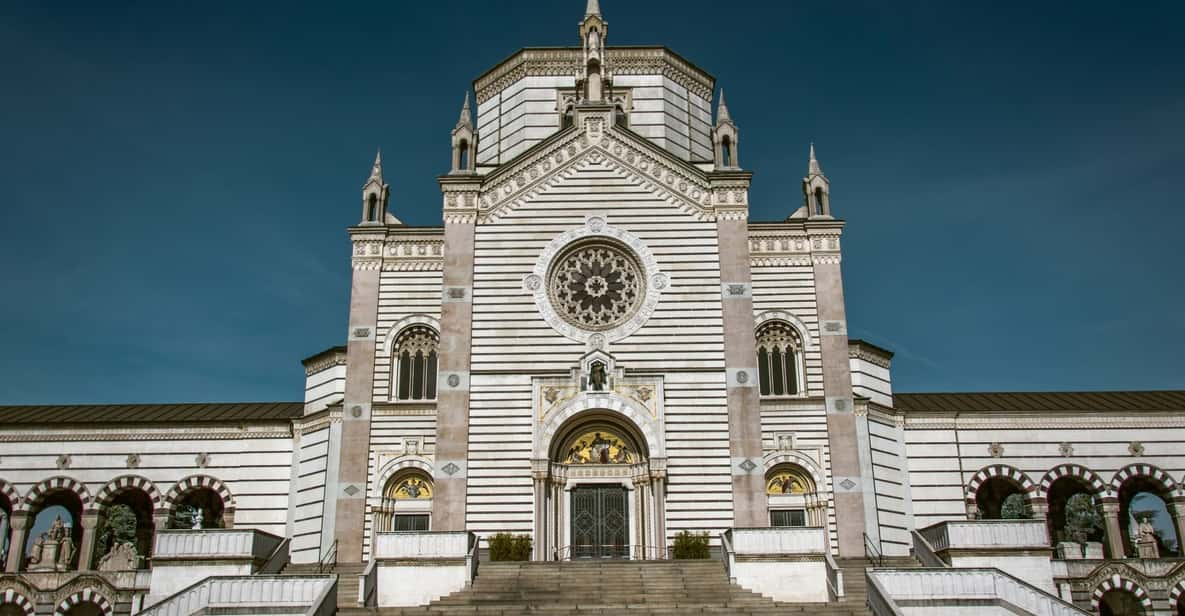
point(725, 136)
point(816, 189)
point(814, 168)
point(375, 194)
point(376, 172)
point(464, 142)
point(466, 114)
point(722, 110)
point(593, 75)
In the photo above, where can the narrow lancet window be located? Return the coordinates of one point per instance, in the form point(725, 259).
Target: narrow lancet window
point(778, 359)
point(416, 358)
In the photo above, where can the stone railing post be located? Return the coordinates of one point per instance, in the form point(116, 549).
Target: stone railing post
point(1114, 529)
point(19, 532)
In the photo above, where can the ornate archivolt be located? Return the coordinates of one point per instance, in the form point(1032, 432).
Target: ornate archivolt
point(609, 403)
point(390, 466)
point(804, 332)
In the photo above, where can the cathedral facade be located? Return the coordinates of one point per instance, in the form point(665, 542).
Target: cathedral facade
point(597, 349)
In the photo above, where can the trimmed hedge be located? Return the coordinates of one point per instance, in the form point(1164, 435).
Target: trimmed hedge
point(690, 546)
point(508, 547)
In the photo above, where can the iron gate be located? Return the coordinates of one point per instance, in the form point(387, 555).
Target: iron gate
point(600, 522)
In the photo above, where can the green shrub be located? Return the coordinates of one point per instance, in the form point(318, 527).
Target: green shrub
point(691, 545)
point(505, 546)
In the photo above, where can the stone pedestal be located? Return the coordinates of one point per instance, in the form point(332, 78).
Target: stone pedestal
point(764, 560)
point(416, 568)
point(1093, 550)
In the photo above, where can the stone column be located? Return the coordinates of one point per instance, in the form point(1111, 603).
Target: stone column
point(1178, 512)
point(847, 434)
point(641, 487)
point(658, 480)
point(347, 490)
point(1114, 529)
point(451, 470)
point(749, 502)
point(542, 488)
point(86, 548)
point(19, 534)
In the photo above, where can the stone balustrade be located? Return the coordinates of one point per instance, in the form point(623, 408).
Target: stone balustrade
point(781, 540)
point(987, 535)
point(909, 591)
point(426, 545)
point(278, 594)
point(214, 544)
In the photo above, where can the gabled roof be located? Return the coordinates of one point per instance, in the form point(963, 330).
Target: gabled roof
point(1053, 401)
point(150, 413)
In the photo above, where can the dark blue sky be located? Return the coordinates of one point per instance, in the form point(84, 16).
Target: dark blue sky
point(176, 178)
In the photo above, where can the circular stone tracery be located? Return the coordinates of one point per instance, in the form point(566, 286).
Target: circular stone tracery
point(596, 286)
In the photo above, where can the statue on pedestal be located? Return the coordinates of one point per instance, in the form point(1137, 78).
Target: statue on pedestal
point(1146, 543)
point(53, 550)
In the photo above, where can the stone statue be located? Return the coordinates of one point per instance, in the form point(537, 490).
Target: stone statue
point(597, 377)
point(122, 557)
point(53, 550)
point(1146, 544)
point(197, 518)
point(38, 549)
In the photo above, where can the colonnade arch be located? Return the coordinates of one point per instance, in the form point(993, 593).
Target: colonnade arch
point(403, 493)
point(1120, 596)
point(71, 544)
point(1083, 490)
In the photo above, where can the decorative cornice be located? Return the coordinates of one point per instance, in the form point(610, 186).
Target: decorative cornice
point(150, 433)
point(565, 62)
point(1037, 421)
point(863, 351)
point(324, 361)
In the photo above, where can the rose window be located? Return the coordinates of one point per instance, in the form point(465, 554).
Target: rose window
point(596, 286)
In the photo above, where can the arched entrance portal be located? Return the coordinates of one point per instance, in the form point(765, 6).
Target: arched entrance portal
point(599, 494)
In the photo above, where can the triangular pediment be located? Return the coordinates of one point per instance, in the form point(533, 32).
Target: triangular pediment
point(597, 143)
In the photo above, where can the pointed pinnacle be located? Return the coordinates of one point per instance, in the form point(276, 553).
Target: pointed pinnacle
point(466, 119)
point(814, 168)
point(377, 170)
point(594, 8)
point(722, 110)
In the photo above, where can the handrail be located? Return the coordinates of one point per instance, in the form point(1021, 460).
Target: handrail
point(1001, 583)
point(279, 558)
point(729, 553)
point(872, 553)
point(368, 586)
point(472, 559)
point(878, 600)
point(834, 577)
point(924, 552)
point(329, 560)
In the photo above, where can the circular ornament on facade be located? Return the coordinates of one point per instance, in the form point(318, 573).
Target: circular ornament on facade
point(596, 284)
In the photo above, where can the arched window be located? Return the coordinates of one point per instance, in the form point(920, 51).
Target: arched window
point(198, 508)
point(415, 363)
point(726, 151)
point(407, 502)
point(779, 359)
point(793, 497)
point(372, 210)
point(463, 155)
point(619, 117)
point(819, 202)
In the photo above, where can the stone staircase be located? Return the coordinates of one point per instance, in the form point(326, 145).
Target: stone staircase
point(614, 587)
point(347, 579)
